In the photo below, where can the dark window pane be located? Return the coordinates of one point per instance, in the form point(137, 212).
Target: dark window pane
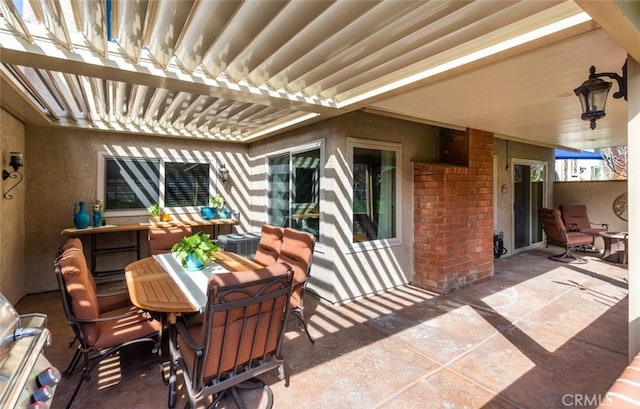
point(131, 183)
point(374, 201)
point(186, 184)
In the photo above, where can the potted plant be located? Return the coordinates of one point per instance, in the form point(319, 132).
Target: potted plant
point(155, 213)
point(217, 202)
point(194, 251)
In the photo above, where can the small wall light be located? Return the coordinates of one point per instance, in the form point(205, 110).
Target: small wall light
point(594, 91)
point(223, 173)
point(16, 163)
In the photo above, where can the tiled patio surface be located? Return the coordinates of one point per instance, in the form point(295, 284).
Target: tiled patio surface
point(540, 334)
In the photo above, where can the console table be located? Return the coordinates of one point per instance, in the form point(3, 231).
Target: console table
point(93, 232)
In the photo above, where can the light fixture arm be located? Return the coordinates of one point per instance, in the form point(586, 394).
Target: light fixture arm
point(13, 175)
point(621, 80)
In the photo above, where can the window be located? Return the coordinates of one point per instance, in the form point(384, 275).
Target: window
point(375, 192)
point(294, 190)
point(130, 185)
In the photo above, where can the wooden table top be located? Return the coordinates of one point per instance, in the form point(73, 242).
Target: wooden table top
point(111, 228)
point(152, 288)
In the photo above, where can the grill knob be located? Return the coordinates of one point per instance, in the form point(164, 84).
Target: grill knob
point(49, 377)
point(43, 394)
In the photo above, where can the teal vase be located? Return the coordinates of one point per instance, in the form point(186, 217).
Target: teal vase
point(194, 263)
point(97, 219)
point(80, 216)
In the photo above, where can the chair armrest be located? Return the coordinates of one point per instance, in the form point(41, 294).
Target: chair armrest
point(191, 343)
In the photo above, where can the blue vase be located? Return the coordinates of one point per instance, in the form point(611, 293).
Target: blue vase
point(80, 216)
point(193, 263)
point(97, 219)
point(208, 213)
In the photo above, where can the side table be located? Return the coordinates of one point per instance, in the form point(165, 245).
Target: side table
point(609, 237)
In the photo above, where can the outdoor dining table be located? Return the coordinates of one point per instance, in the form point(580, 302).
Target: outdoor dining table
point(160, 284)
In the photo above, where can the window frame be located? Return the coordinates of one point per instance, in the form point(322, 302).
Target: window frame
point(395, 147)
point(102, 157)
point(292, 151)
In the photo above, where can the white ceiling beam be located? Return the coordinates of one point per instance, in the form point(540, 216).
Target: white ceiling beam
point(44, 54)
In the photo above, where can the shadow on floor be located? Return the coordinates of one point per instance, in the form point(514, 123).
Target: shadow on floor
point(537, 334)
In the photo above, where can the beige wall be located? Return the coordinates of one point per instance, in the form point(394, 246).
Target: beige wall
point(61, 166)
point(12, 212)
point(339, 272)
point(598, 196)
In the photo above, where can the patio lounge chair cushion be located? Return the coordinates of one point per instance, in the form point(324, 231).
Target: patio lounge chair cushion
point(81, 290)
point(558, 235)
point(575, 218)
point(269, 245)
point(106, 301)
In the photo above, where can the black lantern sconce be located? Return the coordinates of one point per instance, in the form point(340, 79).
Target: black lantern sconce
point(16, 163)
point(223, 173)
point(594, 91)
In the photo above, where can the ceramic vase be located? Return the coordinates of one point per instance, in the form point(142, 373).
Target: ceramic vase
point(80, 216)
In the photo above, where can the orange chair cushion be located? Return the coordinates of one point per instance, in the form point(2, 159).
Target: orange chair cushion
point(232, 325)
point(269, 245)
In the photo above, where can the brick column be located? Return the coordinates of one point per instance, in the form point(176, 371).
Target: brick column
point(453, 231)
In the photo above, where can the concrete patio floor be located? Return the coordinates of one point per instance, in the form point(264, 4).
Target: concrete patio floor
point(540, 334)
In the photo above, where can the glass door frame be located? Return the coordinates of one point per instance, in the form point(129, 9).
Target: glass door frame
point(545, 201)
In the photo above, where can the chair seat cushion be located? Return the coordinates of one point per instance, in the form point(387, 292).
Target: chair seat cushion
point(579, 238)
point(114, 332)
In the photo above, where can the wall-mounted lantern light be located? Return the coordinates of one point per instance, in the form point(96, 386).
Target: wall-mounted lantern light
point(15, 162)
point(594, 91)
point(223, 173)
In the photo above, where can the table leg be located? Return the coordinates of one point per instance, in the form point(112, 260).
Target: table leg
point(173, 339)
point(93, 254)
point(607, 247)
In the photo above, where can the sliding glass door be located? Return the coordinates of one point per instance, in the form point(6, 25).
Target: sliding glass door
point(529, 194)
point(294, 190)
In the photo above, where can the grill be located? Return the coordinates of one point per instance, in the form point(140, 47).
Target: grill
point(27, 379)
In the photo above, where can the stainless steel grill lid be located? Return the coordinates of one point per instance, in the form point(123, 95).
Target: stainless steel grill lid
point(9, 323)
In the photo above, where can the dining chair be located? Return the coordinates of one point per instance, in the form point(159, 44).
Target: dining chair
point(558, 235)
point(240, 336)
point(161, 239)
point(103, 326)
point(269, 245)
point(297, 251)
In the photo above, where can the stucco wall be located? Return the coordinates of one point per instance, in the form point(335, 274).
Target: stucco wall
point(62, 166)
point(598, 196)
point(340, 272)
point(12, 212)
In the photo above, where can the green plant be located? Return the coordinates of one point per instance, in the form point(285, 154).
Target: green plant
point(199, 244)
point(216, 201)
point(154, 210)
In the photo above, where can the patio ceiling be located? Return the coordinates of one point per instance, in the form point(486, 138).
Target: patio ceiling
point(243, 70)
